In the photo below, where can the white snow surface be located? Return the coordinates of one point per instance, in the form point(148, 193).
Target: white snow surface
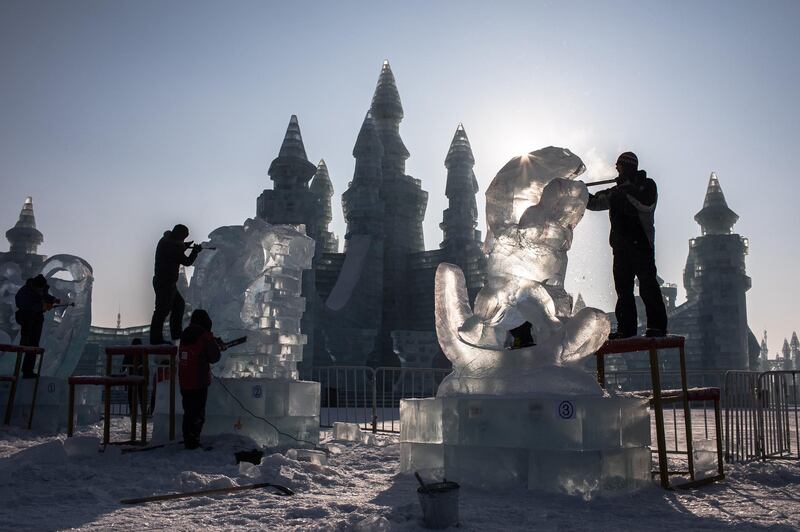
point(47, 484)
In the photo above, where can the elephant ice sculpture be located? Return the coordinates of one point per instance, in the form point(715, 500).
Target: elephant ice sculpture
point(532, 207)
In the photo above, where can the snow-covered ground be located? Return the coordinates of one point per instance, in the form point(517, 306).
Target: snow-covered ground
point(45, 484)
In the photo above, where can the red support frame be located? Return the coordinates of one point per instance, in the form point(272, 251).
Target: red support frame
point(21, 350)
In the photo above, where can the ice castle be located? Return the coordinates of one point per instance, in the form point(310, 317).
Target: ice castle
point(373, 303)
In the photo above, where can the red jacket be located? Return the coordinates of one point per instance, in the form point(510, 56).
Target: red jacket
point(195, 358)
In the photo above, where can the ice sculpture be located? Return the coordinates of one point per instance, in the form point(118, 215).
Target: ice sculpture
point(10, 283)
point(65, 328)
point(532, 207)
point(525, 417)
point(249, 281)
point(64, 336)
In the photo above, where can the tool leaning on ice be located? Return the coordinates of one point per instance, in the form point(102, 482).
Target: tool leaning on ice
point(631, 204)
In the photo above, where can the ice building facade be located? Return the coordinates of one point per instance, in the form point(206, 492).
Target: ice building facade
point(372, 303)
point(714, 317)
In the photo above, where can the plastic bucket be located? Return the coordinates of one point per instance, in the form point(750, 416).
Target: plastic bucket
point(439, 504)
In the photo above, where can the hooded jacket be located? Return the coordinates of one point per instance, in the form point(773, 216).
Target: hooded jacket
point(198, 350)
point(631, 209)
point(170, 255)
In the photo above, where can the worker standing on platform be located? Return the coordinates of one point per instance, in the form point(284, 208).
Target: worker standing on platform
point(170, 255)
point(199, 349)
point(32, 300)
point(631, 204)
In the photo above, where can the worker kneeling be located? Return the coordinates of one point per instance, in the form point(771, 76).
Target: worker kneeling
point(198, 350)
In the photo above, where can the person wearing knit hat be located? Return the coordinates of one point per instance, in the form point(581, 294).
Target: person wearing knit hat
point(631, 205)
point(170, 255)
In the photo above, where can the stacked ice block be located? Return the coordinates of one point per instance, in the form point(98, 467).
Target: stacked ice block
point(291, 405)
point(575, 444)
point(50, 413)
point(250, 283)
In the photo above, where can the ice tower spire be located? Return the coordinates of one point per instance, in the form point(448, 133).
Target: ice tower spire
point(362, 205)
point(291, 168)
point(387, 111)
point(322, 187)
point(290, 201)
point(715, 218)
point(24, 238)
point(461, 217)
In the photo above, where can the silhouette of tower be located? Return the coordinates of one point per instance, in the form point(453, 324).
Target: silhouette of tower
point(715, 315)
point(322, 188)
point(795, 345)
point(404, 209)
point(291, 201)
point(24, 240)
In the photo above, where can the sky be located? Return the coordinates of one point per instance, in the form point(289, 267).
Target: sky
point(121, 119)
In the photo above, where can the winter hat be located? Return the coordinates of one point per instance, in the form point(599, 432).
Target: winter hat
point(628, 159)
point(39, 281)
point(180, 231)
point(201, 318)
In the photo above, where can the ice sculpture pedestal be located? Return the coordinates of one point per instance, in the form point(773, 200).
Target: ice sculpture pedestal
point(50, 414)
point(574, 444)
point(291, 405)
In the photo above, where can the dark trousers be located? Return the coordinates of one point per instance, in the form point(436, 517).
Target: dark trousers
point(168, 302)
point(635, 263)
point(30, 335)
point(194, 415)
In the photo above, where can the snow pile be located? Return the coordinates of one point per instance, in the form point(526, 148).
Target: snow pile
point(47, 482)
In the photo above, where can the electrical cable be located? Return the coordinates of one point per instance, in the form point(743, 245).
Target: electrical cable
point(265, 420)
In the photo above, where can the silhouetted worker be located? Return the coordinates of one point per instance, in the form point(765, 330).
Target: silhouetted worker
point(32, 300)
point(631, 205)
point(199, 349)
point(170, 255)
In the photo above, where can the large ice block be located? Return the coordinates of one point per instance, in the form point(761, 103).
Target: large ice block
point(50, 409)
point(293, 406)
point(496, 441)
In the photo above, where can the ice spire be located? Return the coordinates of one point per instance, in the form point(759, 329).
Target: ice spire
point(386, 100)
point(387, 111)
point(24, 238)
point(786, 350)
point(361, 202)
point(292, 166)
point(461, 217)
point(368, 144)
point(795, 345)
point(715, 217)
point(322, 187)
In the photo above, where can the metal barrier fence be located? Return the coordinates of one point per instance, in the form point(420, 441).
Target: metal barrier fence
point(740, 404)
point(778, 415)
point(761, 410)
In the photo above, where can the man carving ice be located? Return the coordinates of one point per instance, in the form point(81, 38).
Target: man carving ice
point(631, 205)
point(170, 255)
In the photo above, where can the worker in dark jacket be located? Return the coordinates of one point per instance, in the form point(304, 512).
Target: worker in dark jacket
point(32, 300)
point(631, 206)
point(170, 255)
point(199, 349)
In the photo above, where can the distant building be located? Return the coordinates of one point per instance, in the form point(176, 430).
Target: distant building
point(714, 317)
point(24, 240)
